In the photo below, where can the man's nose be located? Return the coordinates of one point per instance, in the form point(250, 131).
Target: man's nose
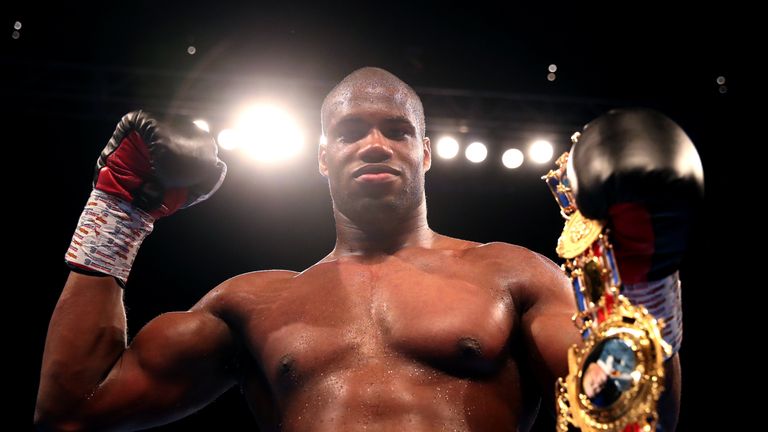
point(375, 148)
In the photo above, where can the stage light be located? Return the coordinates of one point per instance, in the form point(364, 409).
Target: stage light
point(191, 50)
point(552, 68)
point(447, 147)
point(512, 158)
point(541, 151)
point(476, 152)
point(202, 124)
point(722, 88)
point(269, 134)
point(229, 139)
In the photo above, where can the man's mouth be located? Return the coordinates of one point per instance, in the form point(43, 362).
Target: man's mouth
point(375, 173)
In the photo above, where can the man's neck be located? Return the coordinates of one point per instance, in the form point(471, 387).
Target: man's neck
point(353, 239)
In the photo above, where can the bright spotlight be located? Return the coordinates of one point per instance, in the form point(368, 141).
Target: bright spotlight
point(447, 147)
point(228, 139)
point(269, 134)
point(512, 158)
point(541, 151)
point(323, 140)
point(202, 124)
point(476, 152)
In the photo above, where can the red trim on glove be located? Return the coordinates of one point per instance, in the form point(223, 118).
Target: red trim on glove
point(173, 200)
point(633, 239)
point(126, 168)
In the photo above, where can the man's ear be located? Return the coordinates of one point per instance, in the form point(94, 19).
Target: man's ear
point(321, 159)
point(427, 154)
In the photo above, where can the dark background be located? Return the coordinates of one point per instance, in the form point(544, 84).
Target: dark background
point(75, 70)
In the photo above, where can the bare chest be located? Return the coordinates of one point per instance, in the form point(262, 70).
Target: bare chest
point(442, 313)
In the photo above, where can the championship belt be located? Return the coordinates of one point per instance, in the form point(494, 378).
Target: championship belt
point(617, 376)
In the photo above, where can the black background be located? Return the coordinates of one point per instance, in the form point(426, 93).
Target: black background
point(65, 77)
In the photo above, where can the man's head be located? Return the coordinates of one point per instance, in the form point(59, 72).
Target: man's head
point(375, 154)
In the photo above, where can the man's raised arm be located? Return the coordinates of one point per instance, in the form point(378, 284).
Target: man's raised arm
point(92, 380)
point(90, 377)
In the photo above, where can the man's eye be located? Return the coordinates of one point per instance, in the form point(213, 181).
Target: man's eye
point(396, 133)
point(351, 135)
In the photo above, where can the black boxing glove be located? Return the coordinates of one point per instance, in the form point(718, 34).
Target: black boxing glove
point(149, 169)
point(159, 167)
point(639, 172)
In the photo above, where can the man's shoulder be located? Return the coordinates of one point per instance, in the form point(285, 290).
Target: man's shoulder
point(471, 246)
point(504, 248)
point(256, 280)
point(499, 250)
point(512, 259)
point(520, 252)
point(261, 276)
point(235, 289)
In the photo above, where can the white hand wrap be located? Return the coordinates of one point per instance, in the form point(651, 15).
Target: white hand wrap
point(108, 236)
point(662, 299)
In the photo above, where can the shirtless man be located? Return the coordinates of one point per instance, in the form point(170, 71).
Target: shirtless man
point(397, 328)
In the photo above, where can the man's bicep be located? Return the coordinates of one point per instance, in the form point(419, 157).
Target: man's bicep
point(549, 336)
point(176, 364)
point(547, 325)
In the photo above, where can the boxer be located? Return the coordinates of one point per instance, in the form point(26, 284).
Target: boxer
point(397, 328)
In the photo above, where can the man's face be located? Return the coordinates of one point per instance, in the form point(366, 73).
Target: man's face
point(374, 158)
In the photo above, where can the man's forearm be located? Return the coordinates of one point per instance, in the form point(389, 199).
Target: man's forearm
point(86, 335)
